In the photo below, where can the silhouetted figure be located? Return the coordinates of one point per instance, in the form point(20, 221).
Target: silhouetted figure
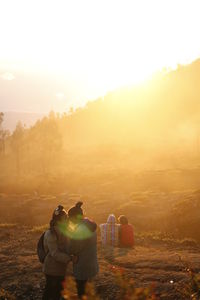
point(55, 263)
point(82, 233)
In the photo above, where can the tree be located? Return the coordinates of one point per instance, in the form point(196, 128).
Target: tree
point(45, 144)
point(16, 143)
point(1, 118)
point(50, 142)
point(4, 134)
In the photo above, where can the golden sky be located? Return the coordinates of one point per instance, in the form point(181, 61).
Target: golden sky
point(103, 44)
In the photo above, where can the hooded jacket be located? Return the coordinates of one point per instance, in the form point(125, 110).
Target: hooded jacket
point(110, 232)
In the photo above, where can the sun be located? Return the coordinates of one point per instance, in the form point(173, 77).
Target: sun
point(104, 45)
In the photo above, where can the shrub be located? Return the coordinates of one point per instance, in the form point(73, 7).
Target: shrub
point(126, 286)
point(4, 295)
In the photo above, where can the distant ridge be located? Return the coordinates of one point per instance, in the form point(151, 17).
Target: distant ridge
point(11, 118)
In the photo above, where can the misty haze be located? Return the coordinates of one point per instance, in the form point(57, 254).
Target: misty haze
point(99, 150)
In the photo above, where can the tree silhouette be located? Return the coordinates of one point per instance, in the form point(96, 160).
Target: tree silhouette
point(17, 143)
point(4, 134)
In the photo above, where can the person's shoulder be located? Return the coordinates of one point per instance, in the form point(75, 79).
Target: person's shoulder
point(130, 226)
point(47, 232)
point(102, 225)
point(49, 235)
point(88, 221)
point(90, 224)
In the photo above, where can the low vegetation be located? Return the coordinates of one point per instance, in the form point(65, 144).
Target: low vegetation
point(164, 264)
point(38, 229)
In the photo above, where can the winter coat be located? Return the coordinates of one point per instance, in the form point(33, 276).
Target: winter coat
point(110, 232)
point(56, 245)
point(84, 245)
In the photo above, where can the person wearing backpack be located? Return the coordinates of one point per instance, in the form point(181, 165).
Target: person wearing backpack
point(56, 248)
point(83, 241)
point(126, 234)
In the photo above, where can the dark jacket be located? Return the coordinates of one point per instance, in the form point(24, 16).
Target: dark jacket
point(84, 245)
point(57, 247)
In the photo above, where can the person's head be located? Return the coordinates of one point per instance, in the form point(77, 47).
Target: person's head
point(59, 215)
point(75, 213)
point(123, 220)
point(111, 219)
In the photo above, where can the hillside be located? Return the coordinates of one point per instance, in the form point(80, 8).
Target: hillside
point(158, 111)
point(153, 126)
point(149, 265)
point(133, 152)
point(162, 261)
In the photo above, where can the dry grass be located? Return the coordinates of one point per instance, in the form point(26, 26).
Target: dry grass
point(4, 295)
point(7, 225)
point(155, 257)
point(22, 273)
point(38, 229)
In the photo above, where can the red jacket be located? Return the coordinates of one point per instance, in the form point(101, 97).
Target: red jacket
point(126, 235)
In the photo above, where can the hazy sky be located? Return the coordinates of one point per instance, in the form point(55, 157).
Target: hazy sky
point(92, 46)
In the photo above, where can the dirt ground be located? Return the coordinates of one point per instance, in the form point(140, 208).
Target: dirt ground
point(164, 265)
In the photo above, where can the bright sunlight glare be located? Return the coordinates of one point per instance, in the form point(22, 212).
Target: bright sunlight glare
point(107, 43)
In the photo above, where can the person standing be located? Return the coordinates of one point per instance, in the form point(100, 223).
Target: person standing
point(56, 247)
point(83, 241)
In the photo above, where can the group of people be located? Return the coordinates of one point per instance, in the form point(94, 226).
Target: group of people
point(117, 234)
point(73, 237)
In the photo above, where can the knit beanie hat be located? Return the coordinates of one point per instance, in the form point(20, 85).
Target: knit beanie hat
point(58, 213)
point(76, 210)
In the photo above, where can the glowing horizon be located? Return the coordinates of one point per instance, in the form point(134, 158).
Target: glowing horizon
point(99, 45)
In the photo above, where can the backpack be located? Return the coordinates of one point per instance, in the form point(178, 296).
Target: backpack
point(40, 249)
